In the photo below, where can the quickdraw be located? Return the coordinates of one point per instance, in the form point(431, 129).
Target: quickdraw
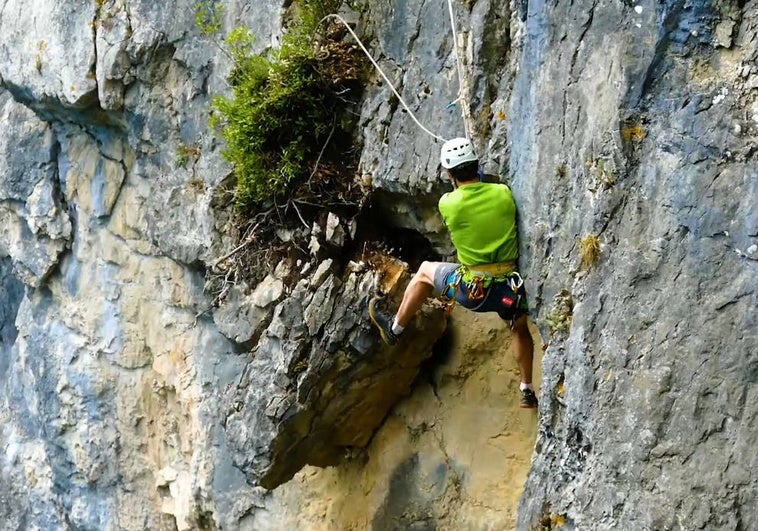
point(476, 289)
point(515, 281)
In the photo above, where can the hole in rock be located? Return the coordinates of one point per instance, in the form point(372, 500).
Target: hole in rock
point(377, 233)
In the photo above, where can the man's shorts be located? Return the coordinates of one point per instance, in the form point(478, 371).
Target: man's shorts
point(495, 296)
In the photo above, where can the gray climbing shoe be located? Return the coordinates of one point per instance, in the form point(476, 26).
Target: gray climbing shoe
point(383, 321)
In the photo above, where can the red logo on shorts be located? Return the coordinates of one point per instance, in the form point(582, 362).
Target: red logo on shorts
point(507, 301)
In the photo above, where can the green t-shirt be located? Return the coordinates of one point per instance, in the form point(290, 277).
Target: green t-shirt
point(481, 218)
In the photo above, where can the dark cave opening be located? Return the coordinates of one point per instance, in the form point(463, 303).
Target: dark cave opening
point(377, 232)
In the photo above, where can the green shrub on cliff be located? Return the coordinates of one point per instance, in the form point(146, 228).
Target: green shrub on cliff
point(281, 110)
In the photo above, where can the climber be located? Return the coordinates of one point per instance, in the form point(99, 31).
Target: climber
point(481, 218)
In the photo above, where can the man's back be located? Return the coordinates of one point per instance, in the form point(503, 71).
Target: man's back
point(481, 218)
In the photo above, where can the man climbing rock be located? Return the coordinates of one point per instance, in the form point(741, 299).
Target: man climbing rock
point(481, 218)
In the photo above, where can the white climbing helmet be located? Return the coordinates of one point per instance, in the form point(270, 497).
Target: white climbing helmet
point(457, 151)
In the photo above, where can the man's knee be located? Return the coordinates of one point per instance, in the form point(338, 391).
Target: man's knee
point(425, 273)
point(521, 327)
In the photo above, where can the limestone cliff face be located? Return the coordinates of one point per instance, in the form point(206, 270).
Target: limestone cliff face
point(111, 375)
point(129, 403)
point(635, 123)
point(649, 110)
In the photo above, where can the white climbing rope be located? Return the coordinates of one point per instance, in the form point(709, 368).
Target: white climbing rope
point(462, 85)
point(394, 90)
point(462, 79)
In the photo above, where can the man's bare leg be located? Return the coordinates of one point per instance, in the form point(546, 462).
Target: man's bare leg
point(419, 289)
point(523, 349)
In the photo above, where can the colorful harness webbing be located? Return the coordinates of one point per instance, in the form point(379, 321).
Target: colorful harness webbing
point(478, 282)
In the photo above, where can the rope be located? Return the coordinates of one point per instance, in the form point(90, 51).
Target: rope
point(394, 90)
point(465, 112)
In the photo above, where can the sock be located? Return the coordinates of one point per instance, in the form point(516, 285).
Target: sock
point(525, 386)
point(396, 328)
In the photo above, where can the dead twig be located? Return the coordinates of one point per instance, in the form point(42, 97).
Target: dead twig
point(297, 211)
point(225, 287)
point(237, 249)
point(321, 154)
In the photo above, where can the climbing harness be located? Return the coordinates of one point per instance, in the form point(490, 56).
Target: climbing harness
point(462, 81)
point(479, 283)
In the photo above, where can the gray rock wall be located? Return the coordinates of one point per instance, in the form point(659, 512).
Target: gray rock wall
point(127, 406)
point(637, 124)
point(110, 370)
point(123, 406)
point(319, 383)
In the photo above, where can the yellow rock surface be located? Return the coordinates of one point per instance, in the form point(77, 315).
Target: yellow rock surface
point(453, 455)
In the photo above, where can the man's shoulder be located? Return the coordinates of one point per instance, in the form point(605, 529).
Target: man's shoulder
point(498, 188)
point(490, 178)
point(450, 198)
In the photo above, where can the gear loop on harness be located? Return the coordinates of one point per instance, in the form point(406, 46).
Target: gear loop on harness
point(448, 301)
point(476, 289)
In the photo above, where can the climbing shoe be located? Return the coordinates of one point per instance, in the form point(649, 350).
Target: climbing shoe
point(383, 321)
point(528, 399)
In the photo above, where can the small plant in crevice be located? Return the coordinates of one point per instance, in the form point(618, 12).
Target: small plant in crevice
point(483, 121)
point(602, 172)
point(589, 249)
point(185, 154)
point(551, 522)
point(209, 17)
point(560, 390)
point(633, 133)
point(561, 314)
point(561, 171)
point(41, 49)
point(196, 185)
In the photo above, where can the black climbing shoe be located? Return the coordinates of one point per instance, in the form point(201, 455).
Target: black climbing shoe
point(383, 322)
point(528, 399)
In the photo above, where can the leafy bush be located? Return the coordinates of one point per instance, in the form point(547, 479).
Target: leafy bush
point(281, 111)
